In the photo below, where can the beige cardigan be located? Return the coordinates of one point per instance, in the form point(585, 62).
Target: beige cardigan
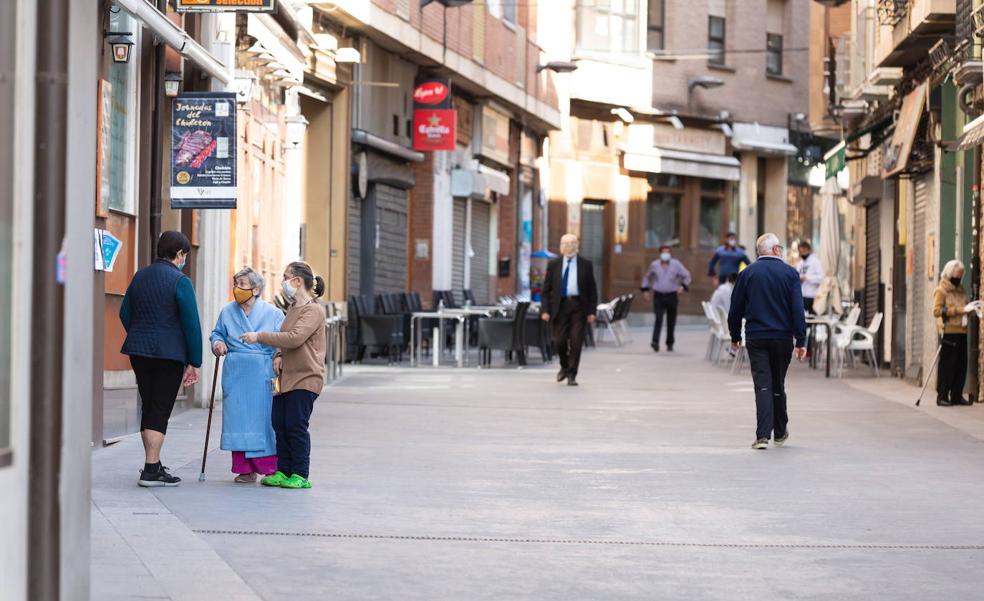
point(302, 340)
point(953, 298)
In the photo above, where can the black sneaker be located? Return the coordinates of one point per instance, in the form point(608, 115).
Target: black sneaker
point(655, 347)
point(161, 477)
point(669, 348)
point(561, 375)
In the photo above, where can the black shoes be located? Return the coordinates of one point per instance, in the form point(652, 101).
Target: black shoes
point(151, 478)
point(669, 348)
point(572, 381)
point(561, 375)
point(655, 347)
point(961, 401)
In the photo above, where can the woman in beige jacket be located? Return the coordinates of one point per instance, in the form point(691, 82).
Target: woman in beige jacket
point(949, 301)
point(301, 343)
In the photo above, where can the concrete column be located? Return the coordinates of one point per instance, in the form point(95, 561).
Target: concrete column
point(213, 265)
point(442, 233)
point(776, 203)
point(747, 217)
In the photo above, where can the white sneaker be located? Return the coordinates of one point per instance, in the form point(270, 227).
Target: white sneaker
point(781, 441)
point(760, 444)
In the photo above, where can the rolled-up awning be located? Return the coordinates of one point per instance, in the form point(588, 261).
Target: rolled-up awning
point(177, 38)
point(762, 139)
point(676, 162)
point(478, 182)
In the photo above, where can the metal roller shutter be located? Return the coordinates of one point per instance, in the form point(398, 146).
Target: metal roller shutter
point(481, 220)
point(458, 244)
point(919, 251)
point(391, 251)
point(872, 261)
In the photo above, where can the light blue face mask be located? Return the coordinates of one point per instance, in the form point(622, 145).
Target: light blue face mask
point(184, 262)
point(665, 257)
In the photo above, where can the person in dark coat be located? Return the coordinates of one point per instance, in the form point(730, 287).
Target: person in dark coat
point(164, 342)
point(569, 303)
point(769, 298)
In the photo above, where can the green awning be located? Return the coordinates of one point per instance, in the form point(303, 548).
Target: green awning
point(836, 159)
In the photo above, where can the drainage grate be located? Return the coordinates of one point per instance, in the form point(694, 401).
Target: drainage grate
point(572, 541)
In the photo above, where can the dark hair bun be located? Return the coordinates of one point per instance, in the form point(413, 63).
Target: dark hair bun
point(319, 286)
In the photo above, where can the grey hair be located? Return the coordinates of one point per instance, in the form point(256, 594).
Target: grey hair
point(950, 267)
point(254, 278)
point(765, 243)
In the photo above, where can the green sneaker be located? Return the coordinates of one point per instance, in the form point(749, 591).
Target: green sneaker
point(296, 481)
point(277, 479)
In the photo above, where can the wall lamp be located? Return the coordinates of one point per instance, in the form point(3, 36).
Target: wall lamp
point(558, 66)
point(172, 83)
point(121, 43)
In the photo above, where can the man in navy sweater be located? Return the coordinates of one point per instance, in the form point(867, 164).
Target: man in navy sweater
point(769, 298)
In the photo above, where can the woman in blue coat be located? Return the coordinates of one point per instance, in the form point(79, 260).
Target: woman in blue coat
point(247, 378)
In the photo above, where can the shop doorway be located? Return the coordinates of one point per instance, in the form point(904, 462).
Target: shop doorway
point(593, 240)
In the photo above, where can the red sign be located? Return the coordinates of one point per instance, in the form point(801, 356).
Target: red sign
point(430, 93)
point(434, 129)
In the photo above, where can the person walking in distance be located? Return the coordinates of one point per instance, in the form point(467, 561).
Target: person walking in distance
point(569, 302)
point(811, 274)
point(164, 342)
point(768, 297)
point(666, 279)
point(727, 259)
point(302, 343)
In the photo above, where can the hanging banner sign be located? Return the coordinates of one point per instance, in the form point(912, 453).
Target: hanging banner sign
point(434, 121)
point(203, 151)
point(434, 129)
point(216, 6)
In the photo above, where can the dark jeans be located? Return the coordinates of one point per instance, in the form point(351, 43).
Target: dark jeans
point(158, 382)
point(953, 367)
point(291, 414)
point(665, 303)
point(770, 360)
point(568, 333)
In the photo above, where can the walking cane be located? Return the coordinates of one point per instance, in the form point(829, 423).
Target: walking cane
point(208, 428)
point(926, 383)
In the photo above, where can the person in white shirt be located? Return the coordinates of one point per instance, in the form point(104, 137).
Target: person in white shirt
point(811, 274)
point(721, 299)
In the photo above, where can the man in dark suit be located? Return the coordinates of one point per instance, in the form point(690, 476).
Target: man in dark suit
point(569, 302)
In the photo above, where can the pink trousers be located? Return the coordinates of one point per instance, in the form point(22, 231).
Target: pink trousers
point(259, 465)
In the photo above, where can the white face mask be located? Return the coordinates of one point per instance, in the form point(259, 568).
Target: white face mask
point(289, 291)
point(665, 257)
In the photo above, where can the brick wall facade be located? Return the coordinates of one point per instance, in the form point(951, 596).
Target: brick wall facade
point(421, 228)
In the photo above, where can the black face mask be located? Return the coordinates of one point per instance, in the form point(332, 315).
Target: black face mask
point(804, 256)
point(955, 281)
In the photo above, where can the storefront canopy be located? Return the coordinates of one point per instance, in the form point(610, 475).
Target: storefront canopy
point(762, 140)
point(478, 182)
point(973, 135)
point(690, 164)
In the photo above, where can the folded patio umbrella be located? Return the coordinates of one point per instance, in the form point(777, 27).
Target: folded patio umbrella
point(828, 297)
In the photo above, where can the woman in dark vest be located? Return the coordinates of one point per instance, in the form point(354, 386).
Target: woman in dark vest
point(164, 342)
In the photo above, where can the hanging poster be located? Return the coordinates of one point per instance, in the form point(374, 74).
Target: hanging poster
point(203, 151)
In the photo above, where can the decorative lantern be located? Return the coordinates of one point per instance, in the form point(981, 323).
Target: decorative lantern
point(121, 43)
point(172, 84)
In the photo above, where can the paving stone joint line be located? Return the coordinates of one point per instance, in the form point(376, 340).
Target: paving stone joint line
point(554, 541)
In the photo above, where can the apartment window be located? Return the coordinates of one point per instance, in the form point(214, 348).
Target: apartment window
point(609, 26)
point(773, 53)
point(656, 34)
point(716, 39)
point(775, 25)
point(503, 9)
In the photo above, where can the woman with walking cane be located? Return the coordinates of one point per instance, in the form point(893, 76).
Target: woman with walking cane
point(950, 309)
point(302, 342)
point(247, 380)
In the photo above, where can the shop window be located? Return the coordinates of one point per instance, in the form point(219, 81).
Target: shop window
point(123, 117)
point(662, 219)
point(655, 32)
point(608, 26)
point(709, 234)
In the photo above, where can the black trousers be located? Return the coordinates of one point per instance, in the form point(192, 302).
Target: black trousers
point(291, 417)
point(665, 304)
point(158, 382)
point(770, 360)
point(568, 333)
point(953, 367)
point(808, 304)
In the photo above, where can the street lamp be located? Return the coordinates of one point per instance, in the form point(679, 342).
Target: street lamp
point(558, 66)
point(121, 43)
point(707, 82)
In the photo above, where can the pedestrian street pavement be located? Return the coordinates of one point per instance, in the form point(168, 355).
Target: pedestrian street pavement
point(499, 484)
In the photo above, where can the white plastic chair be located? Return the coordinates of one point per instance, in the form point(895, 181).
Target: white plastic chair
point(605, 319)
point(712, 327)
point(858, 339)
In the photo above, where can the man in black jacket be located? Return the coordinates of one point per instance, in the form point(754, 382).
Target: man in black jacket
point(569, 301)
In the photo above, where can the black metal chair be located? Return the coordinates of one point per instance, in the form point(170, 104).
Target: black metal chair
point(538, 336)
point(378, 331)
point(504, 334)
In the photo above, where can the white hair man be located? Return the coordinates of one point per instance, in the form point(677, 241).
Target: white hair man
point(768, 296)
point(569, 302)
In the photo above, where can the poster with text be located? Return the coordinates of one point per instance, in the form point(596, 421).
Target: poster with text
point(203, 151)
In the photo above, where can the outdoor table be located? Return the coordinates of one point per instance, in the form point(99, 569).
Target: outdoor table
point(441, 316)
point(821, 321)
point(469, 312)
